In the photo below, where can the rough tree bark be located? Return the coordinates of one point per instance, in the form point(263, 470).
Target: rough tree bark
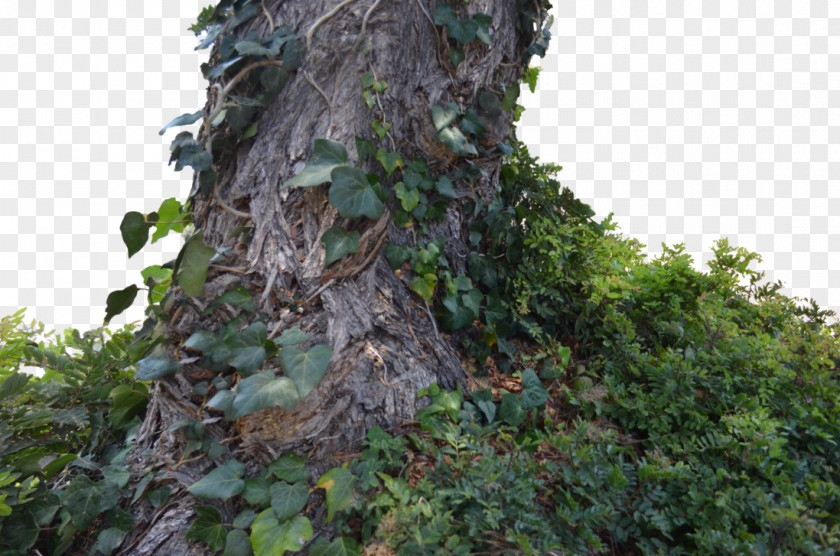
point(385, 347)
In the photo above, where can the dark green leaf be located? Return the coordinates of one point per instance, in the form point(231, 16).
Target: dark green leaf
point(20, 530)
point(117, 474)
point(253, 48)
point(12, 385)
point(238, 296)
point(208, 528)
point(338, 483)
point(482, 30)
point(108, 540)
point(306, 368)
point(511, 411)
point(511, 95)
point(455, 315)
point(490, 103)
point(274, 79)
point(339, 242)
point(442, 117)
point(408, 196)
point(456, 56)
point(264, 391)
point(455, 140)
point(84, 500)
point(244, 350)
point(135, 231)
point(292, 336)
point(270, 537)
point(223, 401)
point(327, 155)
point(119, 301)
point(237, 544)
point(223, 482)
point(482, 270)
point(246, 517)
point(533, 392)
point(256, 492)
point(462, 30)
point(390, 161)
point(192, 271)
point(156, 366)
point(352, 195)
point(288, 499)
point(293, 55)
point(365, 148)
point(158, 496)
point(445, 187)
point(445, 15)
point(202, 340)
point(290, 468)
point(397, 255)
point(341, 546)
point(183, 119)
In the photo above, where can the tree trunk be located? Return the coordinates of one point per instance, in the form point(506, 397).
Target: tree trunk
point(385, 345)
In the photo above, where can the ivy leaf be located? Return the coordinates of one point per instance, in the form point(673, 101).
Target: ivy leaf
point(20, 530)
point(183, 119)
point(381, 129)
point(533, 392)
point(108, 540)
point(511, 95)
point(490, 103)
point(338, 483)
point(455, 140)
point(253, 48)
point(482, 270)
point(293, 55)
point(223, 482)
point(327, 155)
point(365, 148)
point(223, 401)
point(445, 15)
point(424, 286)
point(455, 315)
point(244, 350)
point(530, 77)
point(264, 391)
point(158, 496)
point(119, 301)
point(339, 242)
point(482, 30)
point(135, 231)
point(238, 296)
point(169, 219)
point(292, 336)
point(442, 117)
point(352, 194)
point(274, 79)
point(290, 468)
point(192, 270)
point(456, 56)
point(409, 197)
point(208, 528)
point(390, 161)
point(256, 492)
point(306, 368)
point(288, 499)
point(510, 410)
point(445, 187)
point(341, 546)
point(237, 544)
point(156, 366)
point(462, 30)
point(84, 500)
point(397, 254)
point(270, 537)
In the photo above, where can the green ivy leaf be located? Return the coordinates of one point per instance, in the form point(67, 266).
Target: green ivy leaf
point(510, 410)
point(390, 161)
point(327, 155)
point(192, 271)
point(341, 546)
point(530, 77)
point(445, 187)
point(290, 468)
point(274, 79)
point(455, 315)
point(442, 117)
point(490, 103)
point(339, 484)
point(223, 401)
point(84, 500)
point(462, 30)
point(424, 286)
point(253, 48)
point(264, 391)
point(208, 528)
point(119, 301)
point(482, 270)
point(237, 544)
point(183, 119)
point(445, 15)
point(135, 231)
point(455, 140)
point(169, 219)
point(365, 148)
point(306, 368)
point(397, 255)
point(292, 336)
point(223, 482)
point(409, 197)
point(293, 54)
point(158, 496)
point(288, 499)
point(339, 242)
point(352, 195)
point(256, 492)
point(482, 30)
point(381, 129)
point(108, 540)
point(270, 537)
point(156, 366)
point(238, 296)
point(533, 392)
point(456, 56)
point(511, 95)
point(244, 350)
point(246, 517)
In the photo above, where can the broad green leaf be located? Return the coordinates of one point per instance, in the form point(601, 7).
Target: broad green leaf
point(208, 528)
point(183, 119)
point(390, 161)
point(365, 148)
point(156, 366)
point(341, 546)
point(12, 385)
point(442, 117)
point(456, 317)
point(237, 544)
point(158, 496)
point(108, 540)
point(445, 15)
point(238, 296)
point(290, 468)
point(119, 301)
point(456, 56)
point(510, 410)
point(135, 231)
point(253, 48)
point(462, 30)
point(58, 464)
point(338, 483)
point(201, 340)
point(424, 286)
point(533, 391)
point(292, 336)
point(223, 401)
point(381, 129)
point(455, 140)
point(327, 155)
point(511, 95)
point(270, 537)
point(397, 255)
point(408, 196)
point(306, 368)
point(274, 79)
point(339, 242)
point(84, 500)
point(445, 187)
point(482, 31)
point(20, 530)
point(482, 270)
point(256, 492)
point(472, 301)
point(287, 499)
point(490, 103)
point(246, 517)
point(530, 77)
point(192, 271)
point(117, 474)
point(352, 195)
point(169, 219)
point(264, 391)
point(244, 350)
point(293, 53)
point(223, 482)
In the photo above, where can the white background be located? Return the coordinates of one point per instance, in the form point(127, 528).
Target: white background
point(689, 122)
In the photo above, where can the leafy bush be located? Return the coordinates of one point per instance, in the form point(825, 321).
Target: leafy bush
point(64, 435)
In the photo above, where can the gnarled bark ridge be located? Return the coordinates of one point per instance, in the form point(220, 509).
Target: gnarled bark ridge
point(385, 345)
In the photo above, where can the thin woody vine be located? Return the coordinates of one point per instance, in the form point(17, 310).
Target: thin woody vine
point(246, 73)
